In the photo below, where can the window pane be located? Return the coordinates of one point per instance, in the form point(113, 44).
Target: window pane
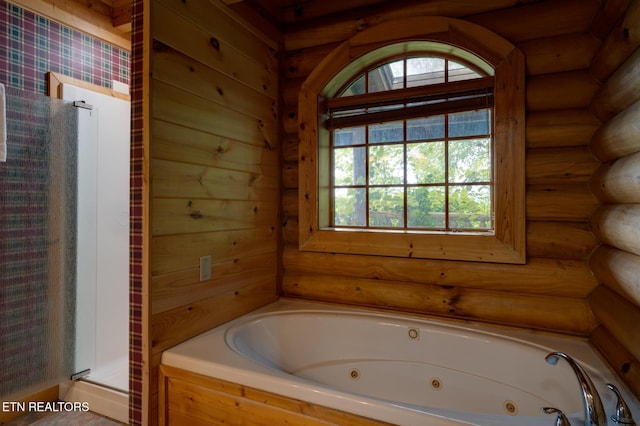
point(386, 165)
point(425, 128)
point(425, 207)
point(355, 88)
point(386, 77)
point(386, 207)
point(424, 71)
point(471, 123)
point(470, 160)
point(350, 207)
point(425, 162)
point(470, 207)
point(458, 72)
point(349, 166)
point(386, 132)
point(349, 136)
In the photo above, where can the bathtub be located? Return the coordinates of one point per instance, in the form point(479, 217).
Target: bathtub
point(396, 368)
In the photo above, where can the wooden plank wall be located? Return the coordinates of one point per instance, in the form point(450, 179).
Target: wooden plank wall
point(616, 183)
point(550, 291)
point(214, 172)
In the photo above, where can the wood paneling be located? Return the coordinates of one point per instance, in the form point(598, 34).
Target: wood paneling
point(214, 171)
point(189, 398)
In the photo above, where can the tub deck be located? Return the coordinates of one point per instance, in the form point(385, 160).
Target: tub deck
point(295, 358)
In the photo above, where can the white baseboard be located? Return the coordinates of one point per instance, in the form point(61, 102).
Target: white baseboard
point(101, 400)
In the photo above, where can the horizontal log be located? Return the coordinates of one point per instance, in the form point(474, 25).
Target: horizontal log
point(340, 27)
point(559, 165)
point(290, 202)
point(560, 240)
point(572, 203)
point(619, 316)
point(558, 128)
point(291, 91)
point(289, 144)
point(618, 182)
point(532, 311)
point(568, 52)
point(177, 325)
point(619, 358)
point(298, 64)
point(623, 40)
point(619, 270)
point(290, 175)
point(620, 91)
point(554, 240)
point(519, 24)
point(566, 90)
point(618, 226)
point(619, 136)
point(312, 10)
point(611, 12)
point(562, 278)
point(290, 120)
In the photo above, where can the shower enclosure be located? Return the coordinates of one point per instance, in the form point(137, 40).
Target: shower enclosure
point(64, 249)
point(102, 262)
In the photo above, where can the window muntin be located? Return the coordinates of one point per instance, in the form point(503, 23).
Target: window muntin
point(431, 172)
point(449, 37)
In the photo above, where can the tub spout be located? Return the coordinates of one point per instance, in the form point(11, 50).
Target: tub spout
point(593, 409)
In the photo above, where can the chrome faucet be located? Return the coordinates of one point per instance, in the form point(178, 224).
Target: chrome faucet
point(593, 409)
point(623, 414)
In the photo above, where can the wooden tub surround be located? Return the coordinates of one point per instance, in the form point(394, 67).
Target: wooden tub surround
point(197, 400)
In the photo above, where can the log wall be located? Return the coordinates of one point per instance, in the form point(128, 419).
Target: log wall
point(548, 292)
point(616, 223)
point(214, 177)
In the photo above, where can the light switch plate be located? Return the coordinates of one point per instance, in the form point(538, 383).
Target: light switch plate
point(205, 268)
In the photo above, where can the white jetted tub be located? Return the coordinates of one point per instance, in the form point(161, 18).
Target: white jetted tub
point(399, 369)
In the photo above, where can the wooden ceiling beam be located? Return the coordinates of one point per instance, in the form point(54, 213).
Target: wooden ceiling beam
point(121, 15)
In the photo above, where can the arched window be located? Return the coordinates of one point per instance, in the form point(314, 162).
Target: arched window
point(411, 143)
point(417, 146)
